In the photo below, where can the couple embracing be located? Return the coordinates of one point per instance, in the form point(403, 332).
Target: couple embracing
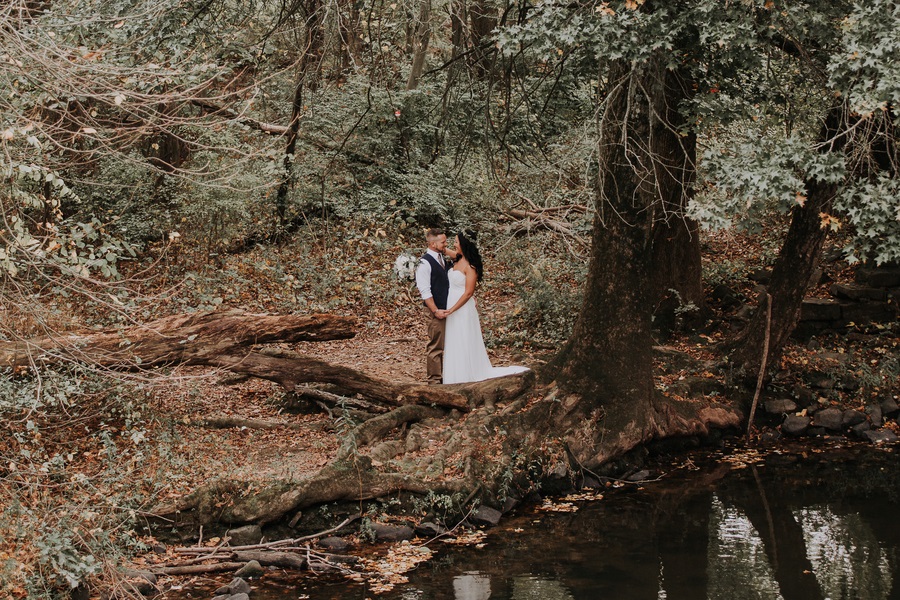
point(455, 351)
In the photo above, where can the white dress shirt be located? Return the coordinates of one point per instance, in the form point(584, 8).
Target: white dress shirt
point(423, 274)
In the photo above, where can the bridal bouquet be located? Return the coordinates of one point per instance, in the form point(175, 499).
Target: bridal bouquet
point(405, 266)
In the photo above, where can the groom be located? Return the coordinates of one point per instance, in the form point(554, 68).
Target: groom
point(433, 284)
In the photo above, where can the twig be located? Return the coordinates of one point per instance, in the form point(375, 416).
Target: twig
point(762, 366)
point(275, 544)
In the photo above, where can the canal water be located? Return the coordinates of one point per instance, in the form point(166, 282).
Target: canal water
point(809, 524)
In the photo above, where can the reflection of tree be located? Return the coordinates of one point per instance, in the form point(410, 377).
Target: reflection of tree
point(847, 558)
point(783, 540)
point(683, 543)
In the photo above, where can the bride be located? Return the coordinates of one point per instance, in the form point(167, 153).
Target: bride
point(465, 357)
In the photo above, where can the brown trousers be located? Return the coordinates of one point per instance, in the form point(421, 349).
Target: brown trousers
point(434, 362)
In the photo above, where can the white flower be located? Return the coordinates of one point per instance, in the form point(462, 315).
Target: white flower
point(405, 266)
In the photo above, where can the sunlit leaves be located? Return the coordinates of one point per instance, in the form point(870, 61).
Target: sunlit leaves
point(753, 176)
point(867, 68)
point(873, 208)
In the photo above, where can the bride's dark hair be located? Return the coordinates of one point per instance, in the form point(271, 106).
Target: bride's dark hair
point(470, 251)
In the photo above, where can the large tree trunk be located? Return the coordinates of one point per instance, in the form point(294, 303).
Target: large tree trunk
point(792, 272)
point(608, 360)
point(677, 277)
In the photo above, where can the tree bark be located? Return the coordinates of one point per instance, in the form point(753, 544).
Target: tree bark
point(420, 38)
point(677, 273)
point(792, 272)
point(185, 338)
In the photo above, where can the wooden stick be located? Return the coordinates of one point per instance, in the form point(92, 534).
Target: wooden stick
point(275, 544)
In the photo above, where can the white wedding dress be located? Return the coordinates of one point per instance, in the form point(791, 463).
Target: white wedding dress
point(465, 357)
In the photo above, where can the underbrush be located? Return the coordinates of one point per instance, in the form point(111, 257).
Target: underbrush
point(76, 469)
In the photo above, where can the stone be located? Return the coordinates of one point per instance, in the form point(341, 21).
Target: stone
point(805, 396)
point(237, 586)
point(639, 476)
point(392, 533)
point(829, 418)
point(726, 297)
point(882, 436)
point(852, 418)
point(511, 503)
point(860, 428)
point(485, 515)
point(780, 406)
point(241, 596)
point(158, 548)
point(761, 275)
point(889, 407)
point(884, 277)
point(857, 292)
point(245, 536)
point(820, 309)
point(875, 416)
point(870, 312)
point(222, 597)
point(251, 569)
point(795, 425)
point(334, 543)
point(820, 380)
point(430, 530)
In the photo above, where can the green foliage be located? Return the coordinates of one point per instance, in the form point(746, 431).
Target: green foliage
point(873, 208)
point(756, 176)
point(866, 69)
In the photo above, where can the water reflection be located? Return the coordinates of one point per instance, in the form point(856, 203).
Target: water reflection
point(472, 586)
point(803, 526)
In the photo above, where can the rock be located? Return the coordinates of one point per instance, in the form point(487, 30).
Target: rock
point(795, 425)
point(392, 533)
point(860, 428)
point(889, 407)
point(430, 530)
point(241, 596)
point(857, 292)
point(237, 586)
point(510, 503)
point(870, 312)
point(761, 275)
point(884, 277)
point(769, 436)
point(820, 380)
point(639, 476)
point(820, 309)
point(726, 297)
point(158, 548)
point(816, 431)
point(829, 418)
point(805, 396)
point(882, 436)
point(222, 597)
point(852, 418)
point(485, 515)
point(245, 536)
point(780, 407)
point(814, 344)
point(335, 544)
point(251, 569)
point(875, 416)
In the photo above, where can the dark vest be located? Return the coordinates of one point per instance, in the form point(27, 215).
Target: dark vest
point(440, 283)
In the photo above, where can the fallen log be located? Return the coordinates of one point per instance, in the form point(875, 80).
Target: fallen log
point(198, 569)
point(226, 340)
point(177, 339)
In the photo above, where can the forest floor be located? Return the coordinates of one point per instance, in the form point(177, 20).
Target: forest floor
point(171, 451)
